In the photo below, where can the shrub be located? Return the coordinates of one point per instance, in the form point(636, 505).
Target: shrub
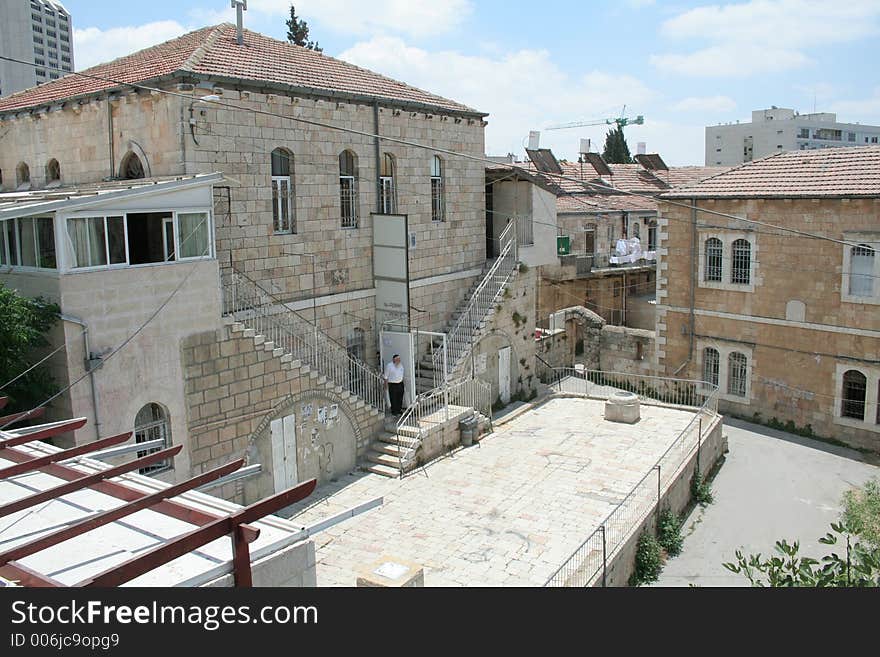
point(669, 533)
point(701, 491)
point(648, 564)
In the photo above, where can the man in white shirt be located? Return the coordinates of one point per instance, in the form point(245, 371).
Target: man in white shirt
point(394, 382)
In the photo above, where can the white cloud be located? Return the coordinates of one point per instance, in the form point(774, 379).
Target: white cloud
point(525, 90)
point(417, 18)
point(763, 35)
point(93, 46)
point(865, 110)
point(705, 104)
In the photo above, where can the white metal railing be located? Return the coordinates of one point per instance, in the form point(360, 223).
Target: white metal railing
point(246, 302)
point(459, 339)
point(589, 562)
point(430, 410)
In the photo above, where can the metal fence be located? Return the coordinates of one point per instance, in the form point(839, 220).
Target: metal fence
point(589, 562)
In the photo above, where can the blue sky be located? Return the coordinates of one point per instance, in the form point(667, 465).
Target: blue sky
point(683, 65)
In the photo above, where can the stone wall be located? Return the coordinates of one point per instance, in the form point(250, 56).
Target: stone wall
point(234, 388)
point(582, 327)
point(794, 361)
point(627, 350)
point(602, 294)
point(293, 566)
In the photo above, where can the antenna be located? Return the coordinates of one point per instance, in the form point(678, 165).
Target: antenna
point(240, 6)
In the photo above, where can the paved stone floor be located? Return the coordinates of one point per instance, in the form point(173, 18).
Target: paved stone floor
point(773, 485)
point(508, 512)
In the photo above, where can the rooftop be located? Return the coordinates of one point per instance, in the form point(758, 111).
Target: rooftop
point(212, 53)
point(824, 173)
point(506, 513)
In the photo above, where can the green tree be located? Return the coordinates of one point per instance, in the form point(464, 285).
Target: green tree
point(616, 149)
point(298, 32)
point(861, 511)
point(858, 567)
point(23, 326)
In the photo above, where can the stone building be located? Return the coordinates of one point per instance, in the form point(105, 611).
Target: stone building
point(786, 323)
point(289, 130)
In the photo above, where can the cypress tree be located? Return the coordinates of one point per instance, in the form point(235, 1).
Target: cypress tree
point(298, 32)
point(616, 149)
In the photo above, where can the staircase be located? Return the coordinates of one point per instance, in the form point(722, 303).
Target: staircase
point(298, 342)
point(469, 320)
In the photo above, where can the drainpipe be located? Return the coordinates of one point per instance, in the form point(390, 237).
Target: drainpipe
point(87, 363)
point(693, 285)
point(378, 158)
point(110, 138)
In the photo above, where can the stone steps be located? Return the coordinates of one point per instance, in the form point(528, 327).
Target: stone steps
point(384, 470)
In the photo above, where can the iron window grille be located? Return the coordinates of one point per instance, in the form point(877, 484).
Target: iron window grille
point(861, 278)
point(152, 423)
point(714, 259)
point(711, 365)
point(854, 392)
point(740, 272)
point(348, 189)
point(737, 374)
point(438, 205)
point(387, 200)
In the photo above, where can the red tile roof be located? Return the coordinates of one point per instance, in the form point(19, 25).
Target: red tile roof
point(596, 203)
point(214, 53)
point(829, 172)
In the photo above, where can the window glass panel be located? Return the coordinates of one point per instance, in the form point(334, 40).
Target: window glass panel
point(87, 238)
point(714, 259)
point(11, 241)
point(46, 242)
point(193, 237)
point(116, 239)
point(711, 365)
point(742, 255)
point(26, 239)
point(280, 163)
point(854, 388)
point(737, 373)
point(861, 280)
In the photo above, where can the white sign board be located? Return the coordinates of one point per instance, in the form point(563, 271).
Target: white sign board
point(391, 268)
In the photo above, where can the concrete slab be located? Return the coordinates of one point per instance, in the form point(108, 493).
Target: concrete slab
point(506, 513)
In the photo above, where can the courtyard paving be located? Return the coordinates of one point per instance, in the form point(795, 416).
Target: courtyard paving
point(508, 512)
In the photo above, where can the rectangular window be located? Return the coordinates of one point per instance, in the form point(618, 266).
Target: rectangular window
point(850, 136)
point(437, 198)
point(28, 242)
point(88, 238)
point(804, 133)
point(39, 51)
point(737, 374)
point(37, 18)
point(51, 33)
point(652, 237)
point(38, 40)
point(193, 234)
point(281, 205)
point(386, 195)
point(37, 29)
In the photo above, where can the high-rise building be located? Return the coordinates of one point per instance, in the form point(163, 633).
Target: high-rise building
point(38, 32)
point(780, 129)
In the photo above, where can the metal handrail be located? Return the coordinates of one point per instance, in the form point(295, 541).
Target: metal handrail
point(246, 302)
point(617, 525)
point(459, 338)
point(469, 393)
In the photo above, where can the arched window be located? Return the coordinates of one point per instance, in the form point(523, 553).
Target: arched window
point(711, 365)
point(152, 423)
point(737, 374)
point(861, 278)
point(22, 176)
point(53, 172)
point(387, 191)
point(283, 209)
point(714, 259)
point(131, 168)
point(348, 189)
point(740, 270)
point(853, 395)
point(438, 204)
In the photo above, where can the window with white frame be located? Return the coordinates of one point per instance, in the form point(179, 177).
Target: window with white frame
point(861, 277)
point(857, 395)
point(737, 374)
point(711, 365)
point(153, 423)
point(348, 189)
point(438, 200)
point(714, 259)
point(387, 192)
point(283, 209)
point(652, 236)
point(727, 260)
point(138, 238)
point(28, 242)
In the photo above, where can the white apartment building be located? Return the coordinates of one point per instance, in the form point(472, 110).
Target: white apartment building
point(779, 129)
point(38, 32)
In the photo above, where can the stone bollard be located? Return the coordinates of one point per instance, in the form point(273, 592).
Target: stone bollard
point(391, 572)
point(622, 407)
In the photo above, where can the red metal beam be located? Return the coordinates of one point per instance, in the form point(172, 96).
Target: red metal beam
point(29, 434)
point(3, 401)
point(15, 417)
point(24, 576)
point(37, 463)
point(177, 510)
point(101, 519)
point(186, 543)
point(241, 560)
point(87, 480)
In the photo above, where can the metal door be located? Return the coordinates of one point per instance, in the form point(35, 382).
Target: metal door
point(504, 374)
point(283, 437)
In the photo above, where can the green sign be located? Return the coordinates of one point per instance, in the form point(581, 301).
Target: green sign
point(563, 245)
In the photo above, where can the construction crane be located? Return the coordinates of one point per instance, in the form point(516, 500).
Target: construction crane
point(620, 121)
